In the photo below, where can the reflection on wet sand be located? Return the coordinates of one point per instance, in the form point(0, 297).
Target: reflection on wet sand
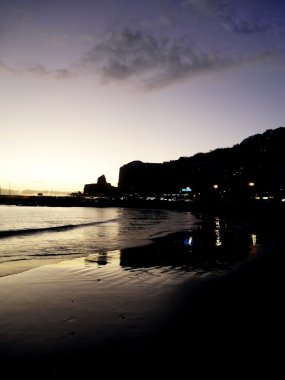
point(214, 245)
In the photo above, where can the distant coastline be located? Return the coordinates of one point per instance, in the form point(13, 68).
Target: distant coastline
point(251, 208)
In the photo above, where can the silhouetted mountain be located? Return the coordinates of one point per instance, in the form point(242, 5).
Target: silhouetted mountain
point(44, 192)
point(256, 165)
point(4, 191)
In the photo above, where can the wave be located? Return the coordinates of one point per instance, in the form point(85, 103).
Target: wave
point(66, 227)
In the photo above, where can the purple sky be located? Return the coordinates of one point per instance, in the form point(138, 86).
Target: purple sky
point(87, 86)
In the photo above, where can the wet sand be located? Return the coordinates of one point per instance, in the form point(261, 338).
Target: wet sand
point(80, 317)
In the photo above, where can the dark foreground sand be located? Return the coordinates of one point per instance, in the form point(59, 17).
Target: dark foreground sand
point(77, 319)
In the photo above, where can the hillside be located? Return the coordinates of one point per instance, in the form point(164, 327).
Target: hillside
point(257, 162)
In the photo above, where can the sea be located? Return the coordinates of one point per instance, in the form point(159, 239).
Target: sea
point(33, 236)
point(45, 233)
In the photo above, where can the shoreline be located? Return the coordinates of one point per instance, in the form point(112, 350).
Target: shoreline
point(50, 320)
point(192, 247)
point(129, 307)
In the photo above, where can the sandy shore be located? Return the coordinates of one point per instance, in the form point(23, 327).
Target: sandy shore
point(80, 317)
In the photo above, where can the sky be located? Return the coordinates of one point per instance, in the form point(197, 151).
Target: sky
point(87, 86)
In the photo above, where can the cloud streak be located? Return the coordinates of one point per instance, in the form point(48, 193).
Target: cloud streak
point(6, 68)
point(39, 71)
point(42, 71)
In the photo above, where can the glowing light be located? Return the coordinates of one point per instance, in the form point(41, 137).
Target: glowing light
point(251, 184)
point(253, 239)
point(217, 231)
point(218, 239)
point(217, 223)
point(186, 189)
point(215, 186)
point(188, 241)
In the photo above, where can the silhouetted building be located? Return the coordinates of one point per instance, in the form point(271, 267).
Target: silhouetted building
point(101, 188)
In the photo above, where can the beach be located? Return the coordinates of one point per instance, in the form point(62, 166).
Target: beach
point(178, 304)
point(68, 317)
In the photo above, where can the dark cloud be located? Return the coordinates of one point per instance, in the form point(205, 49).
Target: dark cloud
point(125, 53)
point(156, 62)
point(238, 16)
point(243, 25)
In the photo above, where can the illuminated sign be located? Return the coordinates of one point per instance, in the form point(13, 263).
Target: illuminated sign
point(186, 190)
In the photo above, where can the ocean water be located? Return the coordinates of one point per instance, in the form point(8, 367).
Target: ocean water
point(43, 233)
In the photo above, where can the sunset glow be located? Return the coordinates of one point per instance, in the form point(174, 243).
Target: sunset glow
point(88, 86)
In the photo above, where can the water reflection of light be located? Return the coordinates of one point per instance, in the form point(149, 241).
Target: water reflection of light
point(218, 238)
point(217, 232)
point(188, 241)
point(217, 222)
point(253, 239)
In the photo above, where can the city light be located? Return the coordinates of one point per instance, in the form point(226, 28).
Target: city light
point(186, 189)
